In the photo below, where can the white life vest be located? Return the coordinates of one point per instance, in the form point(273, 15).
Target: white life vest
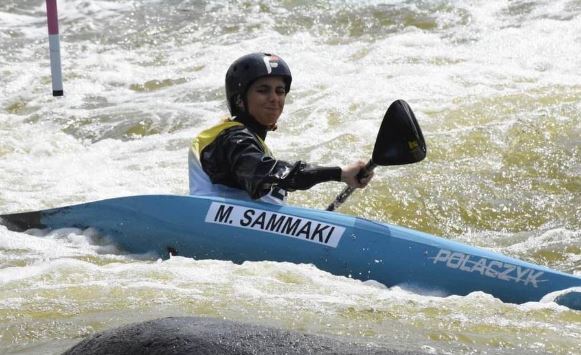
point(200, 183)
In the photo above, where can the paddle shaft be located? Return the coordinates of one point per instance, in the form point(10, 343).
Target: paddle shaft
point(349, 190)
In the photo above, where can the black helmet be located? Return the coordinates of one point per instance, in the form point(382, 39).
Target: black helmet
point(245, 70)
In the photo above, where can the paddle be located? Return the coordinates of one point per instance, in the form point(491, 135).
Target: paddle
point(399, 141)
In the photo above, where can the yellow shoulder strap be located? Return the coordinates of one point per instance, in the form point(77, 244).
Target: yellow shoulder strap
point(209, 135)
point(265, 147)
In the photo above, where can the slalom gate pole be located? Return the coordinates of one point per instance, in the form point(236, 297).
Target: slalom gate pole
point(55, 48)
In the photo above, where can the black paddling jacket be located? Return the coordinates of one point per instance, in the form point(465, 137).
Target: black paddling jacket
point(239, 158)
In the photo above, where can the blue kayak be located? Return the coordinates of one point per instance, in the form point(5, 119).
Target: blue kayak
point(239, 230)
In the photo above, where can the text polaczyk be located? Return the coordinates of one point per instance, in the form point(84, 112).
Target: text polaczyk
point(490, 268)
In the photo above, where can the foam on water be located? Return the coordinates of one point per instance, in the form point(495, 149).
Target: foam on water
point(495, 86)
point(298, 297)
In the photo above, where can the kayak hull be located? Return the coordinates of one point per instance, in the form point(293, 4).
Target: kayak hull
point(239, 230)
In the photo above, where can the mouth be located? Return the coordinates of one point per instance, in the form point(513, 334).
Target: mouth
point(272, 112)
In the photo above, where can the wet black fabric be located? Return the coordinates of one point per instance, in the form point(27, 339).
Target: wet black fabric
point(237, 159)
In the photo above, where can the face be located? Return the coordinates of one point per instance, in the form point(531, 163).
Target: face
point(265, 99)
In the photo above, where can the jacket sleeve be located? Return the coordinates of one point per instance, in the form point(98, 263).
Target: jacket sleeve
point(257, 173)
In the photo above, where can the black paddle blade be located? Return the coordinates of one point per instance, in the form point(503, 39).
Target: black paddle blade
point(400, 139)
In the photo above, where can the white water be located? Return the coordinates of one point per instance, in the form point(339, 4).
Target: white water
point(495, 85)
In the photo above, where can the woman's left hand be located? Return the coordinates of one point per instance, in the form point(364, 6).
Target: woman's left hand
point(349, 174)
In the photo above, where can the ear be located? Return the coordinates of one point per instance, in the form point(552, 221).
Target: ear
point(240, 103)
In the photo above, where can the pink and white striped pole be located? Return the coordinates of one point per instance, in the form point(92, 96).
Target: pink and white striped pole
point(55, 48)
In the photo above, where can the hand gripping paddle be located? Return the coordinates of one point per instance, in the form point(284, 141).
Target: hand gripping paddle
point(399, 141)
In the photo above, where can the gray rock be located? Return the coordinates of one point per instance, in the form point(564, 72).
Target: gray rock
point(196, 335)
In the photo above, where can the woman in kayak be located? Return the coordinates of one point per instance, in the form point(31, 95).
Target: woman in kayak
point(232, 160)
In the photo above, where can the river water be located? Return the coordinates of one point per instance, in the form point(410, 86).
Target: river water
point(496, 87)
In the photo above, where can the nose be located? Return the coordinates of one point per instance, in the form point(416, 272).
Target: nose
point(272, 96)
